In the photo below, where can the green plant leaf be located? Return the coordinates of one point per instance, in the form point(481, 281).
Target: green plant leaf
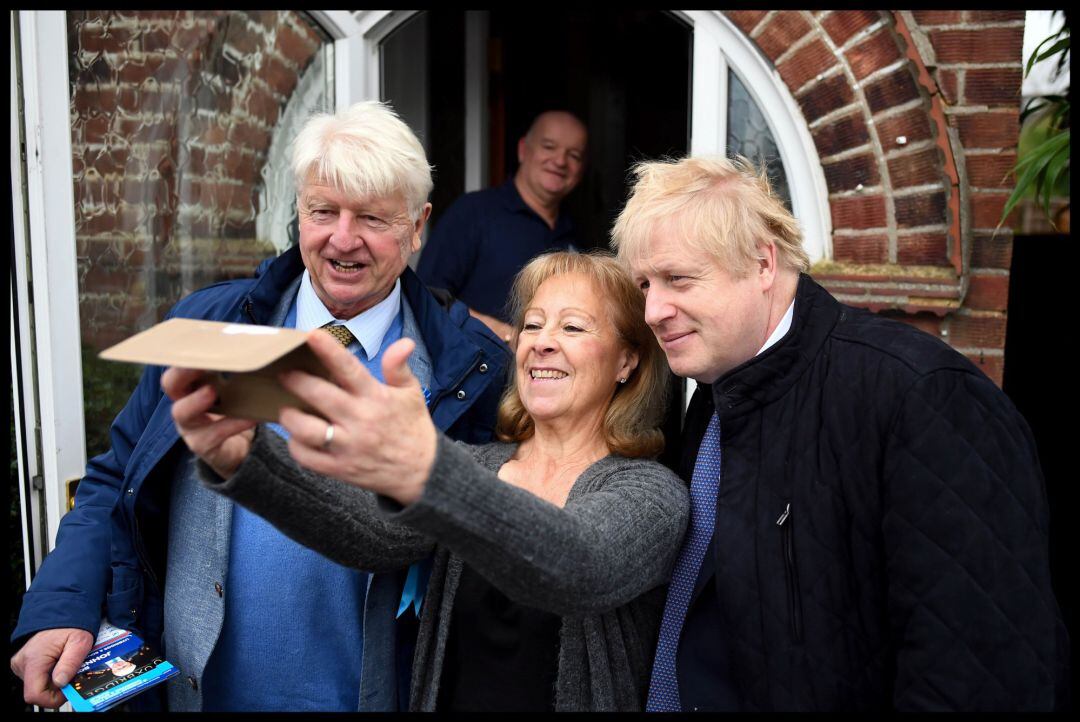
point(1034, 166)
point(1058, 47)
point(1057, 165)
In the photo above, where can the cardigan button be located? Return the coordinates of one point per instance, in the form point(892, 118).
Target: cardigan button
point(218, 589)
point(461, 395)
point(193, 682)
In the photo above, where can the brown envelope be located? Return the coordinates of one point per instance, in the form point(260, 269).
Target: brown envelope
point(245, 358)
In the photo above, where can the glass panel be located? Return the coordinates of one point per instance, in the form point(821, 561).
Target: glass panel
point(749, 135)
point(180, 124)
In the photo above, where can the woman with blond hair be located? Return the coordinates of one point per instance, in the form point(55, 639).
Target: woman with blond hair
point(550, 548)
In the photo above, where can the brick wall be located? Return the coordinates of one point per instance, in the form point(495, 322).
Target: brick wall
point(172, 114)
point(914, 116)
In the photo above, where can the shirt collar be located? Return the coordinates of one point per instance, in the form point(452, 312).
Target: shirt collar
point(513, 201)
point(781, 328)
point(369, 327)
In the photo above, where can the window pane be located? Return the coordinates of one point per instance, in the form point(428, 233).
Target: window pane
point(180, 122)
point(749, 135)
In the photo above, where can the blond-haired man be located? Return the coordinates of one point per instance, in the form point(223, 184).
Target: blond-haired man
point(869, 524)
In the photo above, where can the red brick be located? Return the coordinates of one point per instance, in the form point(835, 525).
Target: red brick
point(296, 46)
point(992, 86)
point(249, 136)
point(991, 171)
point(99, 39)
point(172, 68)
point(873, 53)
point(861, 249)
point(266, 19)
point(984, 45)
point(992, 366)
point(986, 210)
point(240, 165)
point(746, 20)
point(937, 17)
point(807, 62)
point(922, 249)
point(825, 97)
point(977, 331)
point(847, 174)
point(95, 97)
point(213, 134)
point(857, 212)
point(840, 135)
point(279, 77)
point(995, 16)
point(896, 88)
point(263, 106)
point(239, 35)
point(948, 82)
point(784, 30)
point(155, 40)
point(912, 124)
point(987, 293)
point(917, 168)
point(134, 72)
point(91, 130)
point(992, 251)
point(923, 209)
point(842, 24)
point(988, 130)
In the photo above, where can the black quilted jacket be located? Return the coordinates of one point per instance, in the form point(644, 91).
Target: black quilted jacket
point(911, 569)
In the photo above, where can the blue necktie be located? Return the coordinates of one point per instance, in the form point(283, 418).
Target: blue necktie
point(664, 686)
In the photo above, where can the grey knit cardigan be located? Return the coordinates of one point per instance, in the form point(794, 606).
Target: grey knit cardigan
point(600, 562)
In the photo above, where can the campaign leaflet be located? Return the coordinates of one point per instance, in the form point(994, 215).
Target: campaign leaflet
point(120, 666)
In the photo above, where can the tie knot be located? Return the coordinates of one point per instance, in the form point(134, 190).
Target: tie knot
point(343, 335)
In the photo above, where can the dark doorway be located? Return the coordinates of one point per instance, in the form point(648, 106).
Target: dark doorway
point(1034, 324)
point(625, 74)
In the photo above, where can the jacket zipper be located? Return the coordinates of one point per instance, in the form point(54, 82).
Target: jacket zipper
point(787, 545)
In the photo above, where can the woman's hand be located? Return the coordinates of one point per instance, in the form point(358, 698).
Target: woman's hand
point(222, 442)
point(382, 437)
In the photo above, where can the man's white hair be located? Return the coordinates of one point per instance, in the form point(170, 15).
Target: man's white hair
point(364, 150)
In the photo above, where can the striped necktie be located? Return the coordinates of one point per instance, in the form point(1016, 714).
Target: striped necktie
point(343, 335)
point(704, 485)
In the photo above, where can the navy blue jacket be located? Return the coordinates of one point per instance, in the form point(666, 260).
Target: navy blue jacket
point(481, 242)
point(881, 531)
point(111, 548)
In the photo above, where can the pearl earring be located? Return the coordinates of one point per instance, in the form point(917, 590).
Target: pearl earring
point(622, 381)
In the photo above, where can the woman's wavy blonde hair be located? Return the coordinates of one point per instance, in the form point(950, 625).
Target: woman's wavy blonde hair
point(633, 418)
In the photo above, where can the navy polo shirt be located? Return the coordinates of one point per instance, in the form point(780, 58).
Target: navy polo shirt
point(482, 241)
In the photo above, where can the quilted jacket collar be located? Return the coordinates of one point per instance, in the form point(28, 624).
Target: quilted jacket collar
point(769, 375)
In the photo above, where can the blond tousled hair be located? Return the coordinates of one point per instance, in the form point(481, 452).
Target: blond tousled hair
point(632, 421)
point(363, 150)
point(723, 207)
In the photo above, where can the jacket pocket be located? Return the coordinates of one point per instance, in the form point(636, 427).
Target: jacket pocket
point(125, 597)
point(791, 572)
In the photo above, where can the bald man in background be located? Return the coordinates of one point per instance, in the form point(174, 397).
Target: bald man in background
point(485, 237)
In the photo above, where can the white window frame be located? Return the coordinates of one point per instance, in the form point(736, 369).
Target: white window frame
point(718, 43)
point(50, 354)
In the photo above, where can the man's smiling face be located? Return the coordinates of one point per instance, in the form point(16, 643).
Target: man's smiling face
point(354, 248)
point(707, 320)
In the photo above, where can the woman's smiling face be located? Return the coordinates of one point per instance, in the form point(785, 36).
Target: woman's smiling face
point(569, 356)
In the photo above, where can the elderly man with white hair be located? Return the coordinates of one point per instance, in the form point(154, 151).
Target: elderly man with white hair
point(233, 602)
